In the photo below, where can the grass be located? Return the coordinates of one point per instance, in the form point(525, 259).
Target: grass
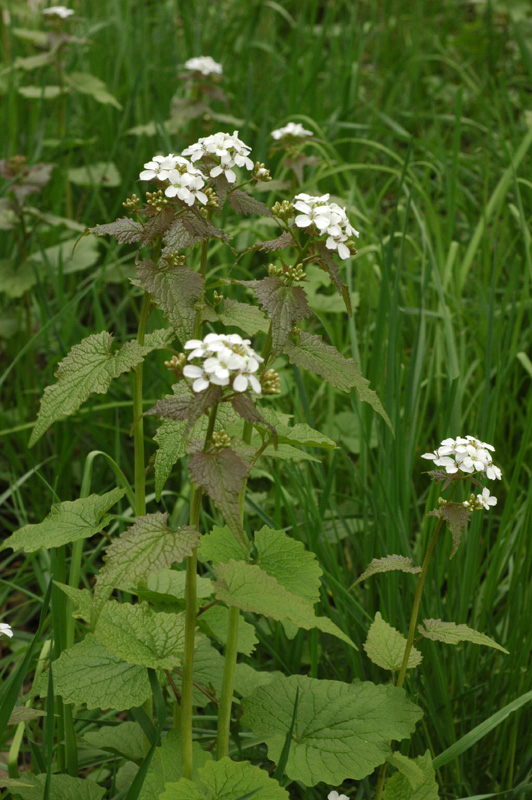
point(421, 114)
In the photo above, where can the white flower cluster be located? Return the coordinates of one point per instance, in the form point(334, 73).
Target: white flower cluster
point(5, 629)
point(185, 180)
point(228, 359)
point(204, 64)
point(228, 148)
point(295, 129)
point(467, 455)
point(335, 796)
point(328, 218)
point(58, 11)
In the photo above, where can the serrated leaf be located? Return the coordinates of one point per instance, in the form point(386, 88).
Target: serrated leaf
point(34, 62)
point(88, 84)
point(208, 672)
point(280, 243)
point(222, 476)
point(125, 739)
point(101, 173)
point(125, 230)
point(226, 780)
point(388, 564)
point(177, 238)
point(314, 354)
point(399, 786)
point(175, 290)
point(220, 546)
point(81, 598)
point(248, 679)
point(300, 434)
point(249, 588)
point(165, 766)
point(451, 633)
point(246, 409)
point(148, 546)
point(456, 516)
point(285, 305)
point(244, 203)
point(201, 228)
point(89, 368)
point(407, 767)
point(63, 787)
point(168, 585)
point(385, 646)
point(88, 673)
point(140, 635)
point(186, 405)
point(66, 522)
point(287, 560)
point(23, 714)
point(214, 621)
point(158, 223)
point(248, 318)
point(329, 264)
point(341, 732)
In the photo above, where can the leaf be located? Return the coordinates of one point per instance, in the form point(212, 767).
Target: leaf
point(208, 672)
point(248, 318)
point(342, 731)
point(285, 305)
point(313, 354)
point(23, 714)
point(407, 767)
point(456, 516)
point(300, 434)
point(186, 404)
point(450, 633)
point(248, 679)
point(201, 228)
point(244, 203)
point(41, 92)
point(385, 646)
point(124, 230)
point(249, 588)
point(165, 765)
point(246, 408)
point(88, 673)
point(140, 635)
point(147, 546)
point(329, 264)
point(13, 783)
point(175, 290)
point(158, 223)
point(214, 621)
point(400, 787)
point(222, 476)
point(101, 173)
point(176, 237)
point(88, 84)
point(287, 560)
point(220, 546)
point(34, 62)
point(280, 243)
point(89, 368)
point(168, 585)
point(72, 255)
point(125, 739)
point(63, 787)
point(66, 522)
point(226, 780)
point(388, 564)
point(81, 599)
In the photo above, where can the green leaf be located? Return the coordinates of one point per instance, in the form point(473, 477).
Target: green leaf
point(248, 318)
point(41, 92)
point(23, 714)
point(101, 173)
point(208, 672)
point(248, 679)
point(249, 588)
point(407, 767)
point(450, 633)
point(287, 560)
point(222, 476)
point(66, 522)
point(88, 673)
point(300, 434)
point(35, 62)
point(81, 598)
point(175, 290)
point(63, 787)
point(165, 766)
point(16, 279)
point(125, 739)
point(329, 264)
point(125, 230)
point(214, 621)
point(148, 546)
point(72, 255)
point(88, 368)
point(285, 305)
point(220, 546)
point(314, 354)
point(342, 731)
point(13, 783)
point(142, 636)
point(168, 585)
point(88, 84)
point(226, 780)
point(388, 564)
point(400, 786)
point(385, 646)
point(456, 516)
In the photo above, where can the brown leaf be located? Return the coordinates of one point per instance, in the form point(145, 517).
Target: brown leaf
point(285, 305)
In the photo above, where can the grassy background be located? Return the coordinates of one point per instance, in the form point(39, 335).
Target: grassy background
point(420, 112)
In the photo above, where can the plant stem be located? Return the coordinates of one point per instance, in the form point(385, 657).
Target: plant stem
point(138, 419)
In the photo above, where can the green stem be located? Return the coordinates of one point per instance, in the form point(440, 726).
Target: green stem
point(138, 419)
point(62, 132)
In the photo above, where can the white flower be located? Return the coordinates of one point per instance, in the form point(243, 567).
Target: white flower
point(204, 64)
point(335, 796)
point(228, 358)
point(201, 379)
point(465, 454)
point(485, 499)
point(292, 129)
point(58, 11)
point(228, 149)
point(328, 218)
point(5, 629)
point(159, 168)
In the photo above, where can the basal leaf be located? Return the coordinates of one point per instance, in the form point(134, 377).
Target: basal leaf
point(220, 546)
point(226, 780)
point(63, 787)
point(125, 739)
point(148, 546)
point(249, 588)
point(165, 766)
point(66, 522)
point(285, 305)
point(388, 564)
point(287, 560)
point(214, 621)
point(407, 767)
point(451, 633)
point(88, 368)
point(400, 787)
point(222, 475)
point(342, 731)
point(175, 290)
point(208, 672)
point(385, 646)
point(314, 354)
point(88, 84)
point(125, 230)
point(81, 599)
point(248, 318)
point(248, 679)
